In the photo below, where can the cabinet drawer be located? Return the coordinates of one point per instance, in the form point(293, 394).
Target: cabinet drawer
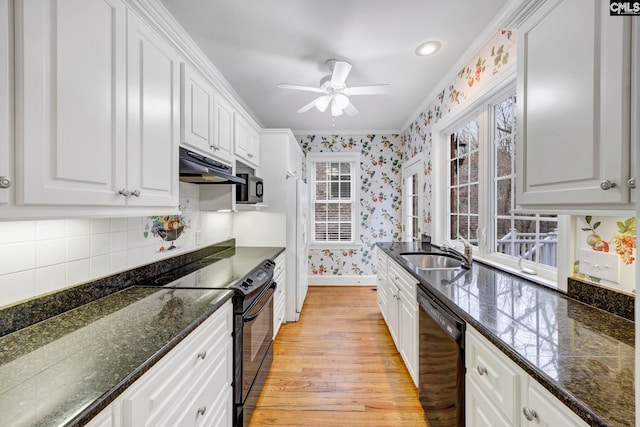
point(382, 262)
point(494, 374)
point(407, 284)
point(479, 411)
point(210, 391)
point(164, 388)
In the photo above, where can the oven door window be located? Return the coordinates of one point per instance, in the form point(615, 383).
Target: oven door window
point(257, 337)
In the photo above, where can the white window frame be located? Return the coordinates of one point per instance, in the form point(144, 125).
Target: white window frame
point(354, 159)
point(480, 107)
point(409, 168)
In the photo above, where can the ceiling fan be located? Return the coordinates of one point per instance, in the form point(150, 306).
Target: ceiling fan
point(335, 92)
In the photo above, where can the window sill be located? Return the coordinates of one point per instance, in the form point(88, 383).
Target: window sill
point(550, 283)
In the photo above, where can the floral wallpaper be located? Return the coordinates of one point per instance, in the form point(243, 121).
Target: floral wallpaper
point(380, 213)
point(615, 235)
point(497, 53)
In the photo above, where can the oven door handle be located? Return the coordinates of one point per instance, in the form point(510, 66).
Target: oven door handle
point(251, 316)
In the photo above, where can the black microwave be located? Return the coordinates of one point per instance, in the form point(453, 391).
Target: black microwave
point(251, 191)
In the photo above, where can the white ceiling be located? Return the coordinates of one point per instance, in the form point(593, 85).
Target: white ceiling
point(256, 44)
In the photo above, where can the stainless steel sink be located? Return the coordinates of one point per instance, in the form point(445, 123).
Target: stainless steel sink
point(427, 261)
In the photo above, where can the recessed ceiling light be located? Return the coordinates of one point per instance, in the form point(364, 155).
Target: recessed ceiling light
point(428, 48)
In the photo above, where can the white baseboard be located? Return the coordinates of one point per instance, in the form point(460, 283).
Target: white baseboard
point(352, 280)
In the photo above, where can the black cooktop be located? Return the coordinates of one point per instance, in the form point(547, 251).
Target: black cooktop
point(242, 269)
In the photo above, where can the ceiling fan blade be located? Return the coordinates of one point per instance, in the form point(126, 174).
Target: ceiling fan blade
point(368, 90)
point(305, 88)
point(350, 110)
point(336, 110)
point(341, 70)
point(322, 102)
point(309, 105)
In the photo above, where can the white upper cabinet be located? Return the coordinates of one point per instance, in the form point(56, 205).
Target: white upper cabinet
point(154, 117)
point(246, 143)
point(223, 127)
point(70, 102)
point(97, 107)
point(6, 118)
point(574, 76)
point(197, 110)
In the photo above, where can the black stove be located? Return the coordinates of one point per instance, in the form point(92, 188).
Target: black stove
point(251, 280)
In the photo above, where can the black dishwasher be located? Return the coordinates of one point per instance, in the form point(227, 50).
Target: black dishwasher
point(441, 363)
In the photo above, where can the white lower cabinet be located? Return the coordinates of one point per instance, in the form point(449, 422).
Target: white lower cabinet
point(399, 306)
point(499, 393)
point(280, 277)
point(190, 386)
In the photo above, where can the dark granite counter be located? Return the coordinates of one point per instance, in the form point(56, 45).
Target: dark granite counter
point(581, 354)
point(66, 369)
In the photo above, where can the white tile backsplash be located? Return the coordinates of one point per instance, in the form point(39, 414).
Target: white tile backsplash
point(43, 256)
point(50, 251)
point(17, 231)
point(50, 278)
point(17, 257)
point(50, 229)
point(17, 286)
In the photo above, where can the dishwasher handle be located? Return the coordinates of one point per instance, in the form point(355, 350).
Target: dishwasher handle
point(450, 324)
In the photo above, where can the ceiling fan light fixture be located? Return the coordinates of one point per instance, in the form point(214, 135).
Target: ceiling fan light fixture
point(428, 48)
point(323, 102)
point(336, 110)
point(341, 100)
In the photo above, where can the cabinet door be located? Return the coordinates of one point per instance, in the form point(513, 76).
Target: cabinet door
point(196, 122)
point(393, 310)
point(223, 127)
point(479, 411)
point(408, 330)
point(545, 410)
point(70, 102)
point(573, 105)
point(153, 121)
point(246, 141)
point(6, 120)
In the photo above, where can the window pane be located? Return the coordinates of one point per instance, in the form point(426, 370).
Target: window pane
point(463, 193)
point(453, 227)
point(454, 200)
point(321, 231)
point(332, 232)
point(320, 211)
point(473, 230)
point(504, 236)
point(345, 170)
point(345, 190)
point(414, 205)
point(473, 199)
point(503, 196)
point(321, 171)
point(345, 231)
point(454, 172)
point(463, 227)
point(503, 162)
point(333, 212)
point(345, 211)
point(473, 167)
point(474, 132)
point(321, 191)
point(463, 170)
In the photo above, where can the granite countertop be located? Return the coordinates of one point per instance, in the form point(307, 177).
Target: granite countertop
point(581, 354)
point(64, 370)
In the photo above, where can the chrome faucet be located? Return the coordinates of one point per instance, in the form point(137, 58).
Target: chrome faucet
point(466, 257)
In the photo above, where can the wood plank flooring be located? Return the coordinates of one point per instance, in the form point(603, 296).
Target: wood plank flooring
point(338, 366)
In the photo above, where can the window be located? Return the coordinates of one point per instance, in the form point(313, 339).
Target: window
point(478, 199)
point(412, 185)
point(334, 182)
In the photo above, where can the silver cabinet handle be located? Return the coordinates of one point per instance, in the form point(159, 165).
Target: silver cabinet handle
point(529, 414)
point(124, 192)
point(631, 183)
point(607, 185)
point(481, 370)
point(202, 354)
point(202, 410)
point(135, 193)
point(5, 182)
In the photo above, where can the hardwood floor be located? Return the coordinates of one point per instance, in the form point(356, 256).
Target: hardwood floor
point(338, 366)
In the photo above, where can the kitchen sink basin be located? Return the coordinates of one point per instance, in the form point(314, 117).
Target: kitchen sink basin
point(427, 261)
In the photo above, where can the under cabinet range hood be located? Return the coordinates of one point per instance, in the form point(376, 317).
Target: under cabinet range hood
point(199, 169)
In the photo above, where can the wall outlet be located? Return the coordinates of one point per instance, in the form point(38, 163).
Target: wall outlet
point(602, 265)
point(198, 237)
